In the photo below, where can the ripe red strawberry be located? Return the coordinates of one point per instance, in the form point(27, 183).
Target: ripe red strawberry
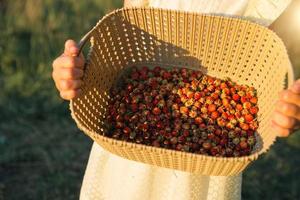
point(126, 130)
point(184, 110)
point(223, 85)
point(243, 145)
point(248, 117)
point(197, 95)
point(214, 115)
point(190, 94)
point(156, 111)
point(253, 100)
point(247, 105)
point(211, 108)
point(253, 110)
point(167, 75)
point(236, 97)
point(198, 120)
point(225, 103)
point(244, 126)
point(157, 70)
point(243, 99)
point(239, 107)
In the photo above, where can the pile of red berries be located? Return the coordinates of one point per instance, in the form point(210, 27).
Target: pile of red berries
point(185, 110)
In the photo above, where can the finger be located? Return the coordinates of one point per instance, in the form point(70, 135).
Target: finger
point(70, 94)
point(69, 62)
point(68, 73)
point(295, 88)
point(71, 48)
point(69, 84)
point(290, 97)
point(281, 132)
point(288, 109)
point(283, 120)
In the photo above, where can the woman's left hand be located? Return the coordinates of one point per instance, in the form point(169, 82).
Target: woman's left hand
point(286, 117)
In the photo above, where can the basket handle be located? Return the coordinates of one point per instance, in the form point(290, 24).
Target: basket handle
point(84, 40)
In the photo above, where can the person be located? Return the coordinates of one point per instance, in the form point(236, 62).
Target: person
point(111, 177)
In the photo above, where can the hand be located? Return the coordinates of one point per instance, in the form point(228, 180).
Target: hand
point(286, 117)
point(68, 71)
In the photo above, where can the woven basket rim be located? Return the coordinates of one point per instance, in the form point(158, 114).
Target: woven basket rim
point(94, 135)
point(213, 15)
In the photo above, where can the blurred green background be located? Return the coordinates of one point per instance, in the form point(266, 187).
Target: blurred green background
point(42, 153)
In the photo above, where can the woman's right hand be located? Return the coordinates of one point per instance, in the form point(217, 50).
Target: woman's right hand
point(68, 71)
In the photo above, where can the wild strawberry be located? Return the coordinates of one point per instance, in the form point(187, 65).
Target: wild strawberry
point(206, 145)
point(156, 111)
point(244, 126)
point(209, 100)
point(243, 144)
point(157, 70)
point(204, 110)
point(239, 107)
point(247, 105)
point(212, 108)
point(197, 95)
point(126, 130)
point(225, 102)
point(241, 93)
point(243, 99)
point(214, 115)
point(226, 91)
point(198, 120)
point(189, 103)
point(221, 122)
point(253, 110)
point(223, 85)
point(224, 115)
point(192, 114)
point(235, 97)
point(184, 110)
point(215, 96)
point(248, 117)
point(190, 94)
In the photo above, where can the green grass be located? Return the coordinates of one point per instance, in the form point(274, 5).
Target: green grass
point(43, 154)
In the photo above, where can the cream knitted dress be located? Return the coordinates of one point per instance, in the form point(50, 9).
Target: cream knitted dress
point(109, 177)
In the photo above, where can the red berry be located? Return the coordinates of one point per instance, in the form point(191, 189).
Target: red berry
point(206, 145)
point(135, 76)
point(184, 110)
point(225, 102)
point(244, 126)
point(214, 115)
point(197, 95)
point(239, 107)
point(243, 145)
point(247, 105)
point(212, 108)
point(198, 120)
point(156, 111)
point(126, 130)
point(243, 99)
point(167, 75)
point(235, 97)
point(157, 70)
point(223, 85)
point(253, 110)
point(248, 117)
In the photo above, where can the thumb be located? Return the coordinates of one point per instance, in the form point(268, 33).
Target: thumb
point(71, 48)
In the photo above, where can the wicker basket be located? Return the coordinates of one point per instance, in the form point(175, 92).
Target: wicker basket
point(220, 46)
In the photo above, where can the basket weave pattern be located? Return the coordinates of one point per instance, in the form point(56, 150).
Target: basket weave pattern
point(219, 46)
